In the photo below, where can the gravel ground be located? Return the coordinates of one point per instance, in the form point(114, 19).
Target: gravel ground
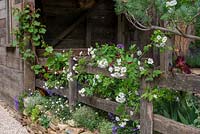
point(8, 124)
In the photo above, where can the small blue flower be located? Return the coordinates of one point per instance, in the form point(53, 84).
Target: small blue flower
point(16, 103)
point(114, 129)
point(121, 46)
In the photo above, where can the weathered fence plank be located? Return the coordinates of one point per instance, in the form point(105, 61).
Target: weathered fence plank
point(168, 126)
point(105, 105)
point(73, 88)
point(181, 82)
point(146, 112)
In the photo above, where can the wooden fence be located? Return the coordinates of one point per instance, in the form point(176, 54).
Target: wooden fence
point(149, 122)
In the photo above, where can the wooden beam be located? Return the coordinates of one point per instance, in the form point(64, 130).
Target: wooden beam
point(167, 126)
point(105, 105)
point(68, 30)
point(88, 32)
point(120, 29)
point(146, 112)
point(73, 86)
point(180, 82)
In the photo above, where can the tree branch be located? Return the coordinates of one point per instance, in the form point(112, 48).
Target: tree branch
point(141, 27)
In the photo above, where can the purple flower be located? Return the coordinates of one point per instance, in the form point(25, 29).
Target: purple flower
point(16, 103)
point(114, 129)
point(136, 129)
point(49, 92)
point(121, 46)
point(111, 116)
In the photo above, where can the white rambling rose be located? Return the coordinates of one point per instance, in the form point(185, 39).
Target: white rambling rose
point(81, 52)
point(122, 124)
point(150, 61)
point(102, 63)
point(110, 69)
point(139, 53)
point(117, 69)
point(171, 3)
point(123, 70)
point(164, 39)
point(119, 61)
point(141, 68)
point(117, 118)
point(158, 37)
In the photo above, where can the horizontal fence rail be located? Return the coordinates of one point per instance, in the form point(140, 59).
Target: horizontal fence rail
point(181, 82)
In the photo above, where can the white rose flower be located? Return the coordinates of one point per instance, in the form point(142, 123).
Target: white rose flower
point(89, 50)
point(121, 94)
point(110, 69)
point(117, 69)
point(117, 118)
point(171, 3)
point(164, 39)
point(69, 76)
point(139, 63)
point(82, 92)
point(139, 53)
point(120, 98)
point(102, 63)
point(141, 68)
point(81, 52)
point(150, 61)
point(131, 113)
point(162, 44)
point(122, 124)
point(155, 96)
point(119, 61)
point(157, 45)
point(123, 70)
point(158, 37)
point(75, 59)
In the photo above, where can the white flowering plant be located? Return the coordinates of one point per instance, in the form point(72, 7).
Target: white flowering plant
point(125, 69)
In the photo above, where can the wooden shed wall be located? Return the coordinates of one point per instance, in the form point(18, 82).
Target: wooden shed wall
point(11, 65)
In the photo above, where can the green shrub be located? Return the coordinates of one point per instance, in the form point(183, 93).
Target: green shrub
point(44, 121)
point(86, 117)
point(193, 60)
point(105, 127)
point(35, 113)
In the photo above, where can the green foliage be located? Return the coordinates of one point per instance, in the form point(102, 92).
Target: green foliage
point(29, 32)
point(21, 101)
point(105, 127)
point(193, 60)
point(58, 107)
point(181, 107)
point(180, 11)
point(44, 121)
point(86, 117)
point(35, 113)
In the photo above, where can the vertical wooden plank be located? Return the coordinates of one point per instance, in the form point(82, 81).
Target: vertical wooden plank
point(166, 57)
point(73, 90)
point(146, 112)
point(29, 76)
point(120, 29)
point(88, 32)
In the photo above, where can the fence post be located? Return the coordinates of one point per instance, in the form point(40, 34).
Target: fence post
point(146, 112)
point(73, 91)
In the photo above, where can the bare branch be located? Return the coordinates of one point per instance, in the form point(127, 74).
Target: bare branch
point(141, 27)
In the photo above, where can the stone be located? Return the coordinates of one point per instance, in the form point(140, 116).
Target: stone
point(62, 126)
point(87, 132)
point(71, 130)
point(53, 126)
point(72, 123)
point(52, 132)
